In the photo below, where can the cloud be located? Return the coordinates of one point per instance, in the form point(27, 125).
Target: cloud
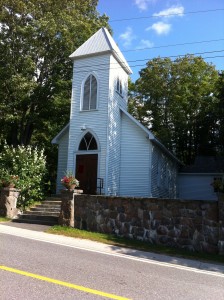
point(174, 11)
point(143, 4)
point(145, 44)
point(127, 37)
point(160, 28)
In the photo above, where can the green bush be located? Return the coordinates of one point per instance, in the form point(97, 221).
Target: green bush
point(29, 164)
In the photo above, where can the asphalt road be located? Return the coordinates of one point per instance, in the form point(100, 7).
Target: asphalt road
point(117, 275)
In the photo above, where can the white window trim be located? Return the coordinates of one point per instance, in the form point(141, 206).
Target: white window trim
point(119, 87)
point(82, 92)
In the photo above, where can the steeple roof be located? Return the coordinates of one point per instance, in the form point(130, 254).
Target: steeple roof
point(99, 43)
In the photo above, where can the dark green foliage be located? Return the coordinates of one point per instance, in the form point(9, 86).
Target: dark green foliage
point(37, 37)
point(177, 101)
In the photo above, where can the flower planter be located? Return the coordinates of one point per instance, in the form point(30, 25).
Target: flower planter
point(70, 187)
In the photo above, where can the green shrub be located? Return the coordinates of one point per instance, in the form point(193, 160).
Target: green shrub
point(29, 164)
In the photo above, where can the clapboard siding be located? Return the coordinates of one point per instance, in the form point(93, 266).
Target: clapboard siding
point(197, 186)
point(62, 159)
point(164, 175)
point(135, 160)
point(114, 125)
point(127, 157)
point(95, 120)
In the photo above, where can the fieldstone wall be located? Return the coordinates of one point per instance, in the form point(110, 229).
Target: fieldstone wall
point(193, 225)
point(8, 201)
point(66, 217)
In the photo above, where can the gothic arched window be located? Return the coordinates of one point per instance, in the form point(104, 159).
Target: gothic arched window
point(90, 93)
point(88, 142)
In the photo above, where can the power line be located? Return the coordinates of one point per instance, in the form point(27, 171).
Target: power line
point(167, 15)
point(171, 56)
point(133, 66)
point(173, 45)
point(141, 65)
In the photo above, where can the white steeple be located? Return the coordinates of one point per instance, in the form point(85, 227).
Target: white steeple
point(101, 42)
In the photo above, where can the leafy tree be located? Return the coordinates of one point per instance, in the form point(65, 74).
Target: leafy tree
point(220, 114)
point(37, 37)
point(177, 102)
point(29, 165)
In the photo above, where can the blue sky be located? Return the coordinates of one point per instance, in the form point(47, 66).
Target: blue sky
point(154, 28)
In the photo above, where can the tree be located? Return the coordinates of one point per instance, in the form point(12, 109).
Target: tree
point(220, 114)
point(177, 97)
point(28, 166)
point(37, 37)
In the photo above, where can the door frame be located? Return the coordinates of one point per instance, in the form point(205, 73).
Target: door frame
point(86, 152)
point(89, 169)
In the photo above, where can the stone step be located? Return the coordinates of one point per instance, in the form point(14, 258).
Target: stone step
point(48, 205)
point(46, 213)
point(42, 213)
point(41, 221)
point(54, 199)
point(49, 202)
point(37, 217)
point(45, 209)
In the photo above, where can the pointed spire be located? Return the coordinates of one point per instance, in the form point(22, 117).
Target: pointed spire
point(99, 43)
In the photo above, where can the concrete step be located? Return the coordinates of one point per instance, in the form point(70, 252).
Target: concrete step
point(42, 213)
point(50, 203)
point(48, 221)
point(46, 213)
point(45, 209)
point(37, 217)
point(55, 199)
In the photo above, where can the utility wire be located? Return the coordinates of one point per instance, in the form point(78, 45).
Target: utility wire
point(133, 66)
point(167, 15)
point(173, 45)
point(171, 56)
point(147, 59)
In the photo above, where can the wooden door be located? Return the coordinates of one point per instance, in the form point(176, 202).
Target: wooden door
point(86, 172)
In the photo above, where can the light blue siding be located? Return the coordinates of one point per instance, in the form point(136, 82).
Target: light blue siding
point(135, 160)
point(95, 120)
point(164, 175)
point(127, 156)
point(196, 186)
point(114, 126)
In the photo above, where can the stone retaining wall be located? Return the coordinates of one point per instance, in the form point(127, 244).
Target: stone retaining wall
point(8, 201)
point(192, 225)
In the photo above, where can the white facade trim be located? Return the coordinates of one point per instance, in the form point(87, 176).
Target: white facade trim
point(93, 73)
point(57, 138)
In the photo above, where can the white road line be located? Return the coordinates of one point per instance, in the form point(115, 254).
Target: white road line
point(126, 256)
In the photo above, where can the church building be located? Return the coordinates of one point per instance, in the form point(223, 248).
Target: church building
point(106, 148)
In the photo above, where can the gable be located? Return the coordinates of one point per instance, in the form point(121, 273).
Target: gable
point(59, 136)
point(101, 42)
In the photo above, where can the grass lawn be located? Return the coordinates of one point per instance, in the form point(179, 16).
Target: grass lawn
point(134, 244)
point(3, 219)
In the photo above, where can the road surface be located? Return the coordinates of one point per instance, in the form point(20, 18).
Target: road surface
point(35, 267)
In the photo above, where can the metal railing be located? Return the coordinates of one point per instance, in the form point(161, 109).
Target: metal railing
point(99, 185)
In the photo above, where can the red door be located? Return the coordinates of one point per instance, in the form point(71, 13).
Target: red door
point(86, 172)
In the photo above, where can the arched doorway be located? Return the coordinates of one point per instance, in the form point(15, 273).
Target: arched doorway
point(86, 164)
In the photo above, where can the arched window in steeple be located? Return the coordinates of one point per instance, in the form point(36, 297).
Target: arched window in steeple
point(88, 142)
point(89, 100)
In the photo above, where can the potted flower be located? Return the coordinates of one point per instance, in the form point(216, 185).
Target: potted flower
point(7, 179)
point(69, 181)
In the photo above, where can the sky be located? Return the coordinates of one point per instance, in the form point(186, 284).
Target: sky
point(146, 29)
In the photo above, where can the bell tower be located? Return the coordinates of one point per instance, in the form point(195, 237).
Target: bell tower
point(99, 89)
